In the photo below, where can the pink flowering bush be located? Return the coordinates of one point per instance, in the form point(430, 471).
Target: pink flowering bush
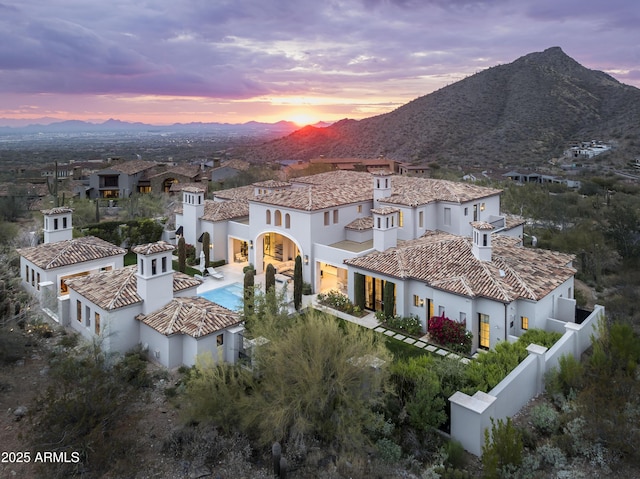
point(450, 334)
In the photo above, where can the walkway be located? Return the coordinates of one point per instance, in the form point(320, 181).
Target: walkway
point(370, 321)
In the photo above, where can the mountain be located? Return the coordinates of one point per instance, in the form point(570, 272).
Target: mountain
point(526, 110)
point(252, 128)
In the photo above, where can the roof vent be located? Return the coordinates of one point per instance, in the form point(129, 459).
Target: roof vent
point(502, 273)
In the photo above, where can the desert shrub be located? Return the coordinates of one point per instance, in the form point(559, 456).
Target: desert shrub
point(568, 377)
point(407, 324)
point(545, 419)
point(455, 454)
point(12, 345)
point(551, 456)
point(85, 411)
point(502, 449)
point(336, 300)
point(450, 334)
point(388, 451)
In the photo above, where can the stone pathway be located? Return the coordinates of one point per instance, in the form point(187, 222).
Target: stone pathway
point(369, 321)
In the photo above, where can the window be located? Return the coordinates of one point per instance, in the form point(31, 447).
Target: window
point(33, 277)
point(64, 222)
point(55, 223)
point(87, 316)
point(416, 300)
point(447, 216)
point(268, 219)
point(220, 339)
point(421, 219)
point(326, 218)
point(287, 221)
point(475, 212)
point(524, 322)
point(440, 310)
point(485, 330)
point(379, 222)
point(38, 281)
point(335, 216)
point(466, 211)
point(278, 218)
point(78, 310)
point(401, 220)
point(96, 321)
point(154, 266)
point(164, 264)
point(359, 208)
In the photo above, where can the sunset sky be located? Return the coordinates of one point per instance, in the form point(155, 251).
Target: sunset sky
point(162, 62)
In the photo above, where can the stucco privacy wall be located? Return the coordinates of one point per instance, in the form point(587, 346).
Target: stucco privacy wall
point(471, 415)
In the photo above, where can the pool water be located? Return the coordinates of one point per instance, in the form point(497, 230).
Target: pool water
point(229, 296)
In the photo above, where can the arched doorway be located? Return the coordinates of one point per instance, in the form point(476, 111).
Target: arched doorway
point(278, 249)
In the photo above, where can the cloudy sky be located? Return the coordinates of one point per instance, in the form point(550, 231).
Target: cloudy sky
point(167, 61)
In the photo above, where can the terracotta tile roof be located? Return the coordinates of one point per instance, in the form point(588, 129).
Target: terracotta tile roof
point(361, 224)
point(446, 262)
point(237, 164)
point(511, 221)
point(482, 225)
point(153, 248)
point(385, 210)
point(196, 317)
point(57, 211)
point(239, 193)
point(118, 288)
point(272, 184)
point(225, 210)
point(68, 252)
point(194, 188)
point(415, 191)
point(133, 167)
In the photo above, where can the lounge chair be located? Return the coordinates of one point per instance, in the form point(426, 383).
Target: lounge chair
point(215, 274)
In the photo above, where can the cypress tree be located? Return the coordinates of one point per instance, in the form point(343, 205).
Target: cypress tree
point(206, 247)
point(297, 283)
point(389, 298)
point(270, 278)
point(358, 285)
point(182, 255)
point(249, 276)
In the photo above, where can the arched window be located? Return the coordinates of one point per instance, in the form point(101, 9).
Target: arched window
point(268, 217)
point(287, 220)
point(278, 218)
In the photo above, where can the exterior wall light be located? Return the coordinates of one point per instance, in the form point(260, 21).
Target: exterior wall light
point(306, 259)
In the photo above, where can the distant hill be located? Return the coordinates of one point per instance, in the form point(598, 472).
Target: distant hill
point(516, 113)
point(252, 128)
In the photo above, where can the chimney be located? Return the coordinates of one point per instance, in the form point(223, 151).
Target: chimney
point(381, 186)
point(57, 224)
point(192, 211)
point(481, 246)
point(154, 275)
point(385, 228)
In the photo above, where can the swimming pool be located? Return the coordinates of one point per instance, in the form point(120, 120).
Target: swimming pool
point(229, 296)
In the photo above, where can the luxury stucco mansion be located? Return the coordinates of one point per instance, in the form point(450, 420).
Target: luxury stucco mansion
point(445, 245)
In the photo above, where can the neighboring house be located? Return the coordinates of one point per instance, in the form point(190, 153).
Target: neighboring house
point(121, 180)
point(152, 305)
point(45, 268)
point(164, 181)
point(540, 178)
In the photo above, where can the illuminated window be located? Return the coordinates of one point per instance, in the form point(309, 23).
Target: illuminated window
point(359, 208)
point(220, 339)
point(401, 220)
point(485, 330)
point(416, 300)
point(97, 322)
point(524, 321)
point(63, 279)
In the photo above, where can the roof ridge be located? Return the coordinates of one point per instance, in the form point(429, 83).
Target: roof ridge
point(123, 285)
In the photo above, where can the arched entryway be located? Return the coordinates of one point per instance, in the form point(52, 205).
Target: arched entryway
point(275, 248)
